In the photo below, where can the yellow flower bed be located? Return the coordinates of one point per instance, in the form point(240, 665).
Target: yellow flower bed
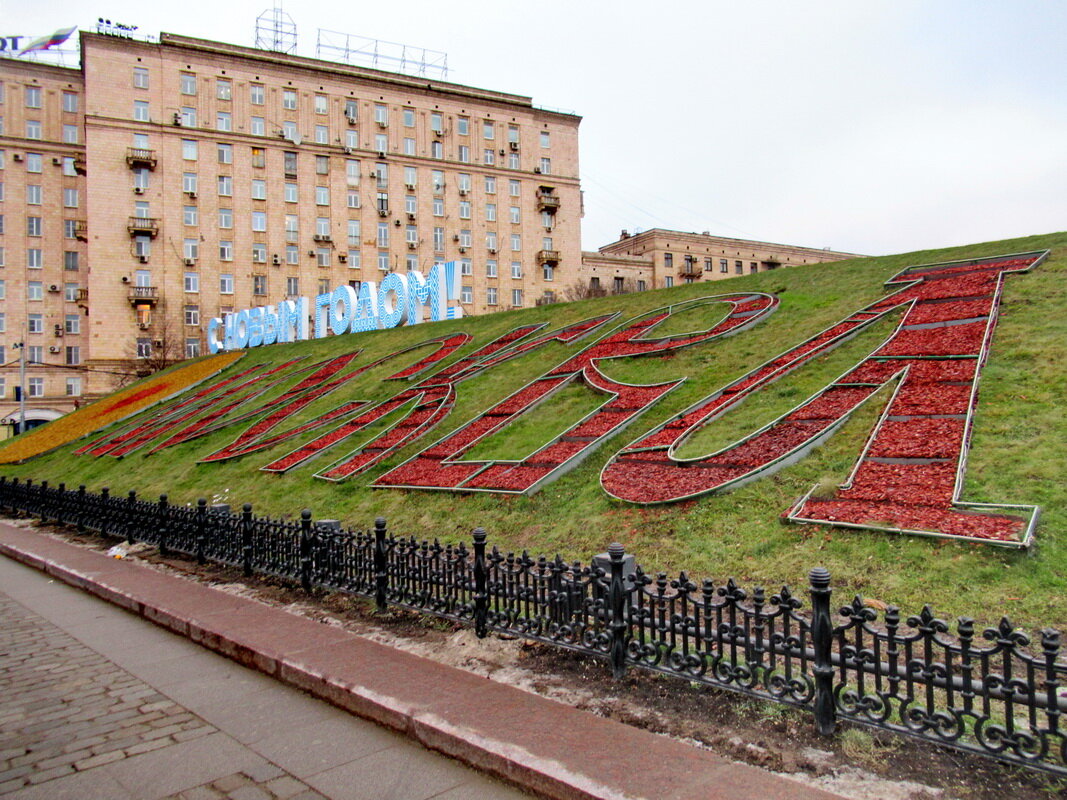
point(112, 408)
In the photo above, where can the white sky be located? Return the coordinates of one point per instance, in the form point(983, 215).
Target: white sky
point(874, 127)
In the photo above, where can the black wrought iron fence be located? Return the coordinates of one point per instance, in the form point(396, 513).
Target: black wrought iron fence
point(990, 691)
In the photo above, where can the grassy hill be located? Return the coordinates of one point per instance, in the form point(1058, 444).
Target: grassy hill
point(1017, 456)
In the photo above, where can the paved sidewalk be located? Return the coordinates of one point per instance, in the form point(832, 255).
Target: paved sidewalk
point(538, 744)
point(96, 703)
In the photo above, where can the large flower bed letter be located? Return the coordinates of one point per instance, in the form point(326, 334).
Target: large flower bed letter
point(909, 476)
point(441, 466)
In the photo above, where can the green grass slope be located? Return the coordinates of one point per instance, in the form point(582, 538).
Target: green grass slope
point(1017, 456)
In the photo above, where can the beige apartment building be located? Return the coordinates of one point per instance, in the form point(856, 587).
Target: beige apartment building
point(659, 258)
point(166, 183)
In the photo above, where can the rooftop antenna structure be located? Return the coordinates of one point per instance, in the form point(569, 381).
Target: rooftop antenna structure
point(275, 30)
point(393, 56)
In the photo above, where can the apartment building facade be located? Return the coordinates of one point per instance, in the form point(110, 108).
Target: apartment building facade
point(185, 178)
point(661, 258)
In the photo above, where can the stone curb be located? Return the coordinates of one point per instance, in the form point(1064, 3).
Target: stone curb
point(538, 744)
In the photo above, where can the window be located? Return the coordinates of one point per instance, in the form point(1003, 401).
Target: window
point(322, 134)
point(192, 348)
point(259, 190)
point(489, 156)
point(513, 160)
point(35, 387)
point(70, 292)
point(546, 166)
point(411, 234)
point(140, 78)
point(142, 246)
point(320, 104)
point(74, 387)
point(464, 209)
point(513, 134)
point(549, 272)
point(3, 323)
point(70, 260)
point(490, 184)
point(292, 228)
point(223, 89)
point(190, 248)
point(411, 261)
point(353, 198)
point(463, 126)
point(35, 323)
point(144, 348)
point(292, 286)
point(192, 315)
point(437, 150)
point(409, 146)
point(33, 194)
point(753, 267)
point(259, 284)
point(464, 182)
point(257, 126)
point(545, 139)
point(515, 215)
point(289, 100)
point(226, 283)
point(668, 260)
point(290, 193)
point(739, 267)
point(383, 202)
point(70, 134)
point(225, 250)
point(324, 285)
point(289, 130)
point(259, 253)
point(34, 162)
point(322, 165)
point(355, 260)
point(438, 239)
point(188, 117)
point(140, 178)
point(383, 234)
point(466, 295)
point(490, 241)
point(490, 296)
point(437, 180)
point(438, 206)
point(72, 323)
point(548, 219)
point(225, 153)
point(383, 261)
point(292, 254)
point(354, 232)
point(259, 220)
point(33, 226)
point(411, 204)
point(322, 195)
point(409, 117)
point(322, 256)
point(490, 212)
point(224, 121)
point(352, 171)
point(516, 298)
point(33, 97)
point(36, 354)
point(189, 149)
point(381, 114)
point(290, 163)
point(514, 188)
point(226, 218)
point(70, 198)
point(322, 226)
point(464, 154)
point(255, 94)
point(73, 355)
point(490, 268)
point(708, 264)
point(225, 186)
point(189, 182)
point(192, 282)
point(187, 83)
point(488, 130)
point(437, 124)
point(3, 295)
point(34, 259)
point(33, 129)
point(465, 238)
point(516, 242)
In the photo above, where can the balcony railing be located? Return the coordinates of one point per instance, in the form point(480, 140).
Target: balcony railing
point(83, 295)
point(547, 202)
point(548, 256)
point(140, 157)
point(81, 230)
point(143, 294)
point(143, 226)
point(79, 165)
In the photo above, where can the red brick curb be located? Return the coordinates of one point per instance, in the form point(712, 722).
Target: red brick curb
point(538, 744)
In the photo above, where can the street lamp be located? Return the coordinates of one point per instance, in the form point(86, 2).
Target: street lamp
point(21, 347)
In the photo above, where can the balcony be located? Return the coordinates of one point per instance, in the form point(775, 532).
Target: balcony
point(79, 165)
point(81, 230)
point(547, 202)
point(143, 226)
point(139, 295)
point(689, 269)
point(140, 157)
point(548, 256)
point(83, 296)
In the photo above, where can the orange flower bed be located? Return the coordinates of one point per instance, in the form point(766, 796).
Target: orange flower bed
point(112, 408)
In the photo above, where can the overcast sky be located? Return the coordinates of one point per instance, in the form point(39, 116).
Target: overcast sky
point(872, 127)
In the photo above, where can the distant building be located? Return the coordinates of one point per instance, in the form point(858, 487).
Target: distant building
point(659, 258)
point(166, 183)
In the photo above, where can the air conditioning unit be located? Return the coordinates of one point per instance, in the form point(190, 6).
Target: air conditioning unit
point(514, 146)
point(177, 121)
point(464, 192)
point(190, 262)
point(502, 152)
point(276, 260)
point(492, 250)
point(125, 278)
point(351, 119)
point(322, 237)
point(349, 151)
point(138, 190)
point(412, 245)
point(463, 249)
point(342, 257)
point(381, 154)
point(157, 343)
point(191, 195)
point(53, 287)
point(142, 258)
point(17, 157)
point(411, 217)
point(143, 325)
point(383, 124)
point(383, 212)
point(311, 253)
point(537, 170)
point(409, 186)
point(53, 349)
point(438, 133)
point(57, 162)
point(455, 237)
